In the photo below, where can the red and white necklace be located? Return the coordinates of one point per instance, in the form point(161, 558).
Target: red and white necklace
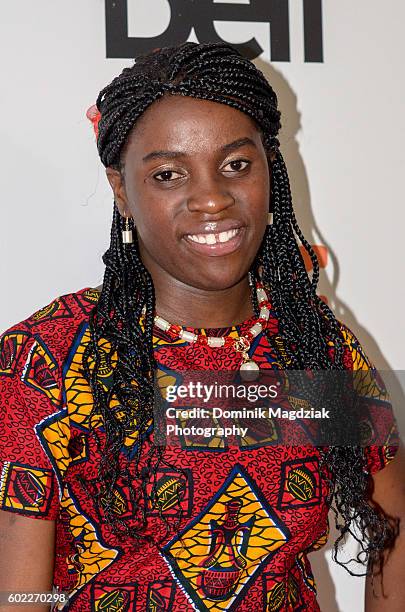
point(241, 344)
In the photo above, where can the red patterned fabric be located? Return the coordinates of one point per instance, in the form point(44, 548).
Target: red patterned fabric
point(251, 513)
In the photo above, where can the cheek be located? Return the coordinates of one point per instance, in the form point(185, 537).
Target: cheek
point(155, 223)
point(151, 211)
point(258, 185)
point(153, 226)
point(256, 196)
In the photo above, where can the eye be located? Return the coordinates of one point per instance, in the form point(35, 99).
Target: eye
point(237, 165)
point(166, 176)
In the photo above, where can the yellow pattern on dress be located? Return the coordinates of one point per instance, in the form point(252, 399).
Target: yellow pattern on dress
point(91, 556)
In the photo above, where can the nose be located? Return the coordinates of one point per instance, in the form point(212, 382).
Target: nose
point(211, 197)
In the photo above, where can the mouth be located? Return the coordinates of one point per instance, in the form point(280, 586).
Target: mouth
point(216, 243)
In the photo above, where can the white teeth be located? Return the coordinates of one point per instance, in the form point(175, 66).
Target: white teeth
point(224, 236)
point(213, 238)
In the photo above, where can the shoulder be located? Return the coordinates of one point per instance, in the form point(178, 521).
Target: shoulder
point(51, 328)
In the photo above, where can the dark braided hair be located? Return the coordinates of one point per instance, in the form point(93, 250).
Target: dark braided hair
point(307, 326)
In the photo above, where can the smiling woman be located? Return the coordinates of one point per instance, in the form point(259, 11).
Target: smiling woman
point(198, 279)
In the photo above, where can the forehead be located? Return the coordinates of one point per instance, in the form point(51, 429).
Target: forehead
point(182, 122)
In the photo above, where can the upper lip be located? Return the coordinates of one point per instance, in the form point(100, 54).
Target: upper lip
point(214, 227)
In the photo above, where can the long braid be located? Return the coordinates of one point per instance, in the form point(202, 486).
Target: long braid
point(307, 325)
point(350, 482)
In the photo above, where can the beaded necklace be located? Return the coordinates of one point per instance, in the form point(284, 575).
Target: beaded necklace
point(241, 344)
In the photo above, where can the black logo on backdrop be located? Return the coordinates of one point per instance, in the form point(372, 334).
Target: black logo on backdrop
point(201, 14)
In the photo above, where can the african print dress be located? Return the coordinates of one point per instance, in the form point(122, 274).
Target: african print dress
point(250, 514)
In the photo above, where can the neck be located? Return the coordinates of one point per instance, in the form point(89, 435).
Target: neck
point(189, 306)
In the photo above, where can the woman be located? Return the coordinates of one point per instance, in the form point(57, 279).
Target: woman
point(198, 278)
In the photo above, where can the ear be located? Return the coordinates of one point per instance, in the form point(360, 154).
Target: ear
point(116, 181)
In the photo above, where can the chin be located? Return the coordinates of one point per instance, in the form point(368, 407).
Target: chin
point(217, 277)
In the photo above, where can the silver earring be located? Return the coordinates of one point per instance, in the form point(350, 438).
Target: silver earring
point(127, 237)
point(270, 218)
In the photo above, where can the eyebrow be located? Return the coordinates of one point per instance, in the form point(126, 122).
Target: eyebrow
point(228, 148)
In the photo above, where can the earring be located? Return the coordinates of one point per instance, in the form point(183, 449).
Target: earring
point(270, 218)
point(127, 237)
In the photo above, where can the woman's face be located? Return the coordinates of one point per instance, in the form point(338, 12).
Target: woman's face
point(196, 182)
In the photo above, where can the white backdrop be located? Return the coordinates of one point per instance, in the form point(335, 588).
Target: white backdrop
point(342, 137)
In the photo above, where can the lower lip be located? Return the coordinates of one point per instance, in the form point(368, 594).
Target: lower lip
point(219, 248)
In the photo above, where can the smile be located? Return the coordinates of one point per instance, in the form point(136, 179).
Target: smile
point(213, 238)
point(221, 243)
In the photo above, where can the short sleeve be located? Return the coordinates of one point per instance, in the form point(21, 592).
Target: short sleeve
point(28, 396)
point(372, 391)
